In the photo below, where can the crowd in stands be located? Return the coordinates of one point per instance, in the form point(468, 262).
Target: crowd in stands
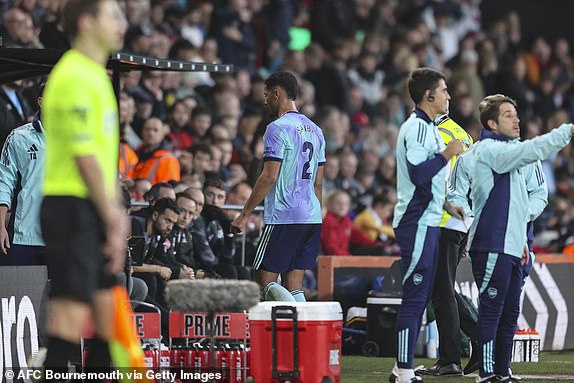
point(192, 142)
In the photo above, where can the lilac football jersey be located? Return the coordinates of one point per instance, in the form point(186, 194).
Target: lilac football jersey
point(296, 142)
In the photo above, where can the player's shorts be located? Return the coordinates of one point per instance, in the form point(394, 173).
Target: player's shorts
point(74, 234)
point(288, 247)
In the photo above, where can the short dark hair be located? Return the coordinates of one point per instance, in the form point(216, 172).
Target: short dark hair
point(200, 148)
point(76, 8)
point(153, 193)
point(200, 111)
point(489, 108)
point(183, 194)
point(380, 199)
point(421, 80)
point(285, 81)
point(214, 182)
point(164, 204)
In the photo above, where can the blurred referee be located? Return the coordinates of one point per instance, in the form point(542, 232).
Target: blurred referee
point(82, 221)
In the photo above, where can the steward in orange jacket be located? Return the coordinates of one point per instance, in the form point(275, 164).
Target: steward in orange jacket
point(156, 162)
point(127, 161)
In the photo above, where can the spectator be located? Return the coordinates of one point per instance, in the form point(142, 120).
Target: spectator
point(346, 179)
point(338, 235)
point(200, 123)
point(14, 110)
point(127, 114)
point(235, 38)
point(179, 125)
point(375, 221)
point(332, 21)
point(201, 159)
point(330, 173)
point(368, 79)
point(330, 87)
point(156, 161)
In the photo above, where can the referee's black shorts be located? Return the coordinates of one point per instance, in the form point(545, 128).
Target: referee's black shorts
point(74, 235)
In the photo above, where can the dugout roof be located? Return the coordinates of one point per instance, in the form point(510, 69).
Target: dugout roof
point(22, 63)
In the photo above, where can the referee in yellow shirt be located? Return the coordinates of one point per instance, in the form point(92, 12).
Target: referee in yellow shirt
point(453, 233)
point(82, 222)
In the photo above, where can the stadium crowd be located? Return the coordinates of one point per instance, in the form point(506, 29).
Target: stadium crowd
point(192, 142)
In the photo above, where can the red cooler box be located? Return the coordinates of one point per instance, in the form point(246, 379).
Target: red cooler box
point(296, 342)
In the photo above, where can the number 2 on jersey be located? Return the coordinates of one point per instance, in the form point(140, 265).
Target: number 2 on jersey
point(306, 174)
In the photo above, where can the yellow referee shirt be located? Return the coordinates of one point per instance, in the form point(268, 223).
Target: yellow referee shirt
point(80, 118)
point(448, 130)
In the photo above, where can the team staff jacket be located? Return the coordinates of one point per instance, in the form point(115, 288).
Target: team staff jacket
point(21, 167)
point(421, 172)
point(156, 249)
point(182, 245)
point(159, 165)
point(460, 185)
point(499, 193)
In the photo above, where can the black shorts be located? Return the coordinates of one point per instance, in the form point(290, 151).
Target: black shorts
point(287, 247)
point(74, 235)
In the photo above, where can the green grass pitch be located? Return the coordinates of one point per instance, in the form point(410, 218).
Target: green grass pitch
point(552, 367)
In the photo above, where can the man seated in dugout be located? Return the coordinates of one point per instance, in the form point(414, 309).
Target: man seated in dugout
point(154, 261)
point(182, 239)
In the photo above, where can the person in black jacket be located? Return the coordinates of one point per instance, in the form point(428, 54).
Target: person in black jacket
point(204, 257)
point(218, 229)
point(182, 239)
point(157, 263)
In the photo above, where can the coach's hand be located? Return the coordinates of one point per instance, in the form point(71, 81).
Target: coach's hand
point(116, 226)
point(525, 256)
point(238, 224)
point(454, 148)
point(4, 240)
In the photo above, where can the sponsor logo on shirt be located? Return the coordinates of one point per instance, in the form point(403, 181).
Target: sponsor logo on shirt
point(32, 152)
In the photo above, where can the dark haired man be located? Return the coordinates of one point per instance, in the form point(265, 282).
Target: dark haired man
point(159, 261)
point(83, 223)
point(291, 184)
point(421, 189)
